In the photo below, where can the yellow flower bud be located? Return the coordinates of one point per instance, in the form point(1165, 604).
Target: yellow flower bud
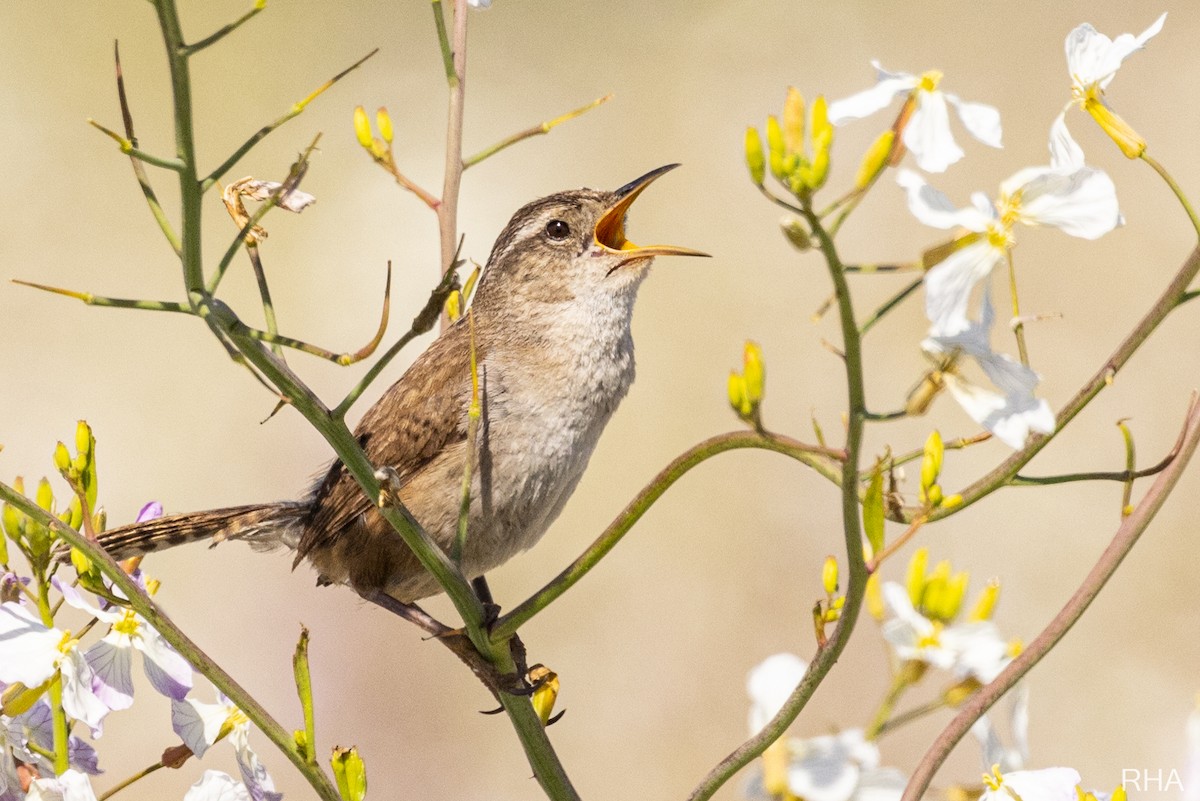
point(18, 699)
point(874, 597)
point(45, 495)
point(454, 305)
point(81, 562)
point(1130, 141)
point(985, 604)
point(753, 372)
point(822, 130)
point(737, 395)
point(775, 150)
point(546, 693)
point(958, 694)
point(793, 121)
point(915, 580)
point(350, 773)
point(83, 438)
point(875, 159)
point(952, 599)
point(931, 464)
point(829, 575)
point(362, 128)
point(1118, 794)
point(754, 156)
point(62, 459)
point(384, 121)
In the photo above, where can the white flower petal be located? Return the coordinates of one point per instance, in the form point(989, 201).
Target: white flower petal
point(70, 786)
point(950, 284)
point(980, 119)
point(1009, 421)
point(168, 672)
point(111, 660)
point(1082, 203)
point(1048, 784)
point(198, 723)
point(981, 653)
point(828, 768)
point(217, 786)
point(869, 101)
point(769, 685)
point(932, 207)
point(1093, 58)
point(1065, 152)
point(881, 784)
point(254, 773)
point(79, 700)
point(928, 135)
point(28, 650)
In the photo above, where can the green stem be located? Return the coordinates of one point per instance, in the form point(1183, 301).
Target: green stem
point(439, 21)
point(1176, 188)
point(821, 459)
point(828, 653)
point(224, 31)
point(58, 715)
point(264, 294)
point(535, 130)
point(900, 683)
point(129, 780)
point(909, 715)
point(447, 210)
point(1122, 543)
point(888, 305)
point(1018, 324)
point(116, 303)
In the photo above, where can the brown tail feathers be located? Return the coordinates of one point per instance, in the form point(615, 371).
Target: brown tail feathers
point(265, 525)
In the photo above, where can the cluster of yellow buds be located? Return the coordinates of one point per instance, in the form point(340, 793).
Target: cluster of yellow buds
point(802, 171)
point(931, 494)
point(379, 148)
point(746, 387)
point(828, 609)
point(938, 594)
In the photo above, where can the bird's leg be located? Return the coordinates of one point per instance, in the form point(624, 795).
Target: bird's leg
point(491, 610)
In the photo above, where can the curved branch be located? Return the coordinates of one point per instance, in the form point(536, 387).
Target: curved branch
point(818, 458)
point(1126, 537)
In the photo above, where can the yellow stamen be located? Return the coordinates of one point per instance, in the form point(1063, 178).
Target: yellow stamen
point(929, 81)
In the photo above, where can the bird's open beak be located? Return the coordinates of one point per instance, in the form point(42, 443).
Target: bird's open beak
point(610, 230)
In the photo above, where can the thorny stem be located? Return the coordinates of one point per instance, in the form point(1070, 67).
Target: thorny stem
point(1123, 541)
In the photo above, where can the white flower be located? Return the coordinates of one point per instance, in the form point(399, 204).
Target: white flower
point(71, 786)
point(31, 729)
point(479, 3)
point(1048, 784)
point(1080, 201)
point(969, 649)
point(769, 685)
point(200, 725)
point(927, 133)
point(112, 657)
point(1009, 414)
point(838, 767)
point(1092, 61)
point(217, 786)
point(31, 653)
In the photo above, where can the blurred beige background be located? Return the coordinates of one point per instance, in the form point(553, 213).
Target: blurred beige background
point(653, 648)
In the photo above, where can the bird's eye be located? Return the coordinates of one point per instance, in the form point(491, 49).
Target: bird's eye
point(558, 230)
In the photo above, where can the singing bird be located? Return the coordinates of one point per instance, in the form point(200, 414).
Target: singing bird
point(554, 351)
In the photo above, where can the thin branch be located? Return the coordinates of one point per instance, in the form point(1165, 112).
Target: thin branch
point(536, 130)
point(262, 132)
point(439, 21)
point(139, 171)
point(1122, 543)
point(447, 211)
point(823, 460)
point(890, 304)
point(422, 323)
point(131, 150)
point(116, 303)
point(220, 34)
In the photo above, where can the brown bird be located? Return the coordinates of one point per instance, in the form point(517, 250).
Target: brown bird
point(552, 317)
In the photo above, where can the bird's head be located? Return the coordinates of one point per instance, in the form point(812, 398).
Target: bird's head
point(571, 246)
